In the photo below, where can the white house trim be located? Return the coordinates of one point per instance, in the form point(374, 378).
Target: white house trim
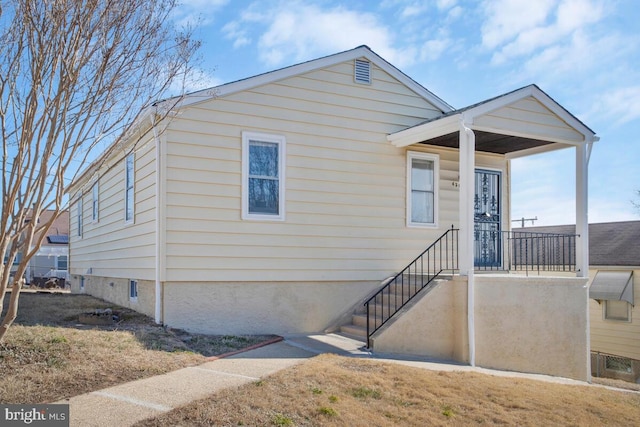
point(305, 67)
point(449, 123)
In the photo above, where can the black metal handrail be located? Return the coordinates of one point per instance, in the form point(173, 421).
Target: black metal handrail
point(441, 255)
point(524, 251)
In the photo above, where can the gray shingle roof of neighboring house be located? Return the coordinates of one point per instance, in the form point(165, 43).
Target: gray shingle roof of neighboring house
point(610, 243)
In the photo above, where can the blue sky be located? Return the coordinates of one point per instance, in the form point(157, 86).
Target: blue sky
point(584, 53)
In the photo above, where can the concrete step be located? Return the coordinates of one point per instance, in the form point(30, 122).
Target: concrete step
point(353, 331)
point(360, 319)
point(396, 295)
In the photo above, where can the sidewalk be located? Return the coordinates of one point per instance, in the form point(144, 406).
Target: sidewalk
point(128, 403)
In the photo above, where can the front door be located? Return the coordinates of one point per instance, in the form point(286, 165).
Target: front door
point(487, 219)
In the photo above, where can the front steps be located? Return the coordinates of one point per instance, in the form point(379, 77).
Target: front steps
point(357, 329)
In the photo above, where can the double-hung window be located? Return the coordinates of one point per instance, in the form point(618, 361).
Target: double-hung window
point(94, 202)
point(129, 188)
point(422, 189)
point(263, 165)
point(79, 216)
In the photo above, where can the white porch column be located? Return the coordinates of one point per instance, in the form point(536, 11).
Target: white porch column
point(465, 239)
point(466, 193)
point(582, 205)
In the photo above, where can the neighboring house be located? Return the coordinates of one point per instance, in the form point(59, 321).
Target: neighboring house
point(278, 204)
point(614, 292)
point(53, 255)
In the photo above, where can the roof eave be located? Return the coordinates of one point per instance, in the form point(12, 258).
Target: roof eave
point(451, 122)
point(425, 131)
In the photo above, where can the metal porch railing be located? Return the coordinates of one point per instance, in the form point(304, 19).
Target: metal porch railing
point(494, 250)
point(523, 251)
point(440, 256)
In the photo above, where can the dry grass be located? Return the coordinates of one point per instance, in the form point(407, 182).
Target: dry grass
point(336, 391)
point(48, 355)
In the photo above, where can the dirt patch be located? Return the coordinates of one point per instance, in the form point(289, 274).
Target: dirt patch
point(48, 354)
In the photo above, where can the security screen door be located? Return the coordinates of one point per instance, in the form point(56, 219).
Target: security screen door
point(487, 216)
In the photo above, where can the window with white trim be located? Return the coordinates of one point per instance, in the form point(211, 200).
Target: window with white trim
point(422, 189)
point(617, 310)
point(79, 216)
point(133, 290)
point(94, 202)
point(129, 202)
point(263, 166)
point(61, 262)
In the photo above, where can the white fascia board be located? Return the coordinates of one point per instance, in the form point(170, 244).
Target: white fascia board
point(423, 132)
point(540, 96)
point(141, 124)
point(536, 150)
point(283, 73)
point(563, 114)
point(497, 103)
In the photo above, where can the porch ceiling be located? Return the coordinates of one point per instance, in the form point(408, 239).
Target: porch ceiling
point(519, 123)
point(489, 142)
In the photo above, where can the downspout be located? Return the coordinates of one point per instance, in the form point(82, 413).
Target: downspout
point(467, 188)
point(158, 284)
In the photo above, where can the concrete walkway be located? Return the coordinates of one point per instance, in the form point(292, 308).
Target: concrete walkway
point(128, 403)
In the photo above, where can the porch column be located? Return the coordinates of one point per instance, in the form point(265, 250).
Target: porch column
point(466, 193)
point(582, 206)
point(465, 239)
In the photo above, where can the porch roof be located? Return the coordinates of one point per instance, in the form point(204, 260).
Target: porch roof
point(518, 123)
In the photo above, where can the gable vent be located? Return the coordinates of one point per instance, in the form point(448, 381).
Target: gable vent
point(362, 71)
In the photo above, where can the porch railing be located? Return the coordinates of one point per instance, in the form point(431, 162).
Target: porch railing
point(441, 256)
point(523, 251)
point(494, 250)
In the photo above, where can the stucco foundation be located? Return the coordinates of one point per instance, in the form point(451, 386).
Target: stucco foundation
point(261, 308)
point(432, 324)
point(524, 324)
point(116, 290)
point(533, 324)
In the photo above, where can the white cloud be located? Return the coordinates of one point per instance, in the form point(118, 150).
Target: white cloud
point(296, 31)
point(518, 29)
point(193, 13)
point(237, 33)
point(414, 9)
point(506, 19)
point(445, 4)
point(620, 105)
point(433, 49)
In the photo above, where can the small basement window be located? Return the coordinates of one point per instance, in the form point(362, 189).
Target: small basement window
point(619, 364)
point(617, 310)
point(362, 71)
point(133, 290)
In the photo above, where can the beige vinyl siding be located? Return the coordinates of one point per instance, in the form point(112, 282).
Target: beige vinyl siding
point(528, 116)
point(613, 336)
point(111, 247)
point(345, 183)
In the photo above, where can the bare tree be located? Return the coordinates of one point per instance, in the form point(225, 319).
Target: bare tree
point(73, 76)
